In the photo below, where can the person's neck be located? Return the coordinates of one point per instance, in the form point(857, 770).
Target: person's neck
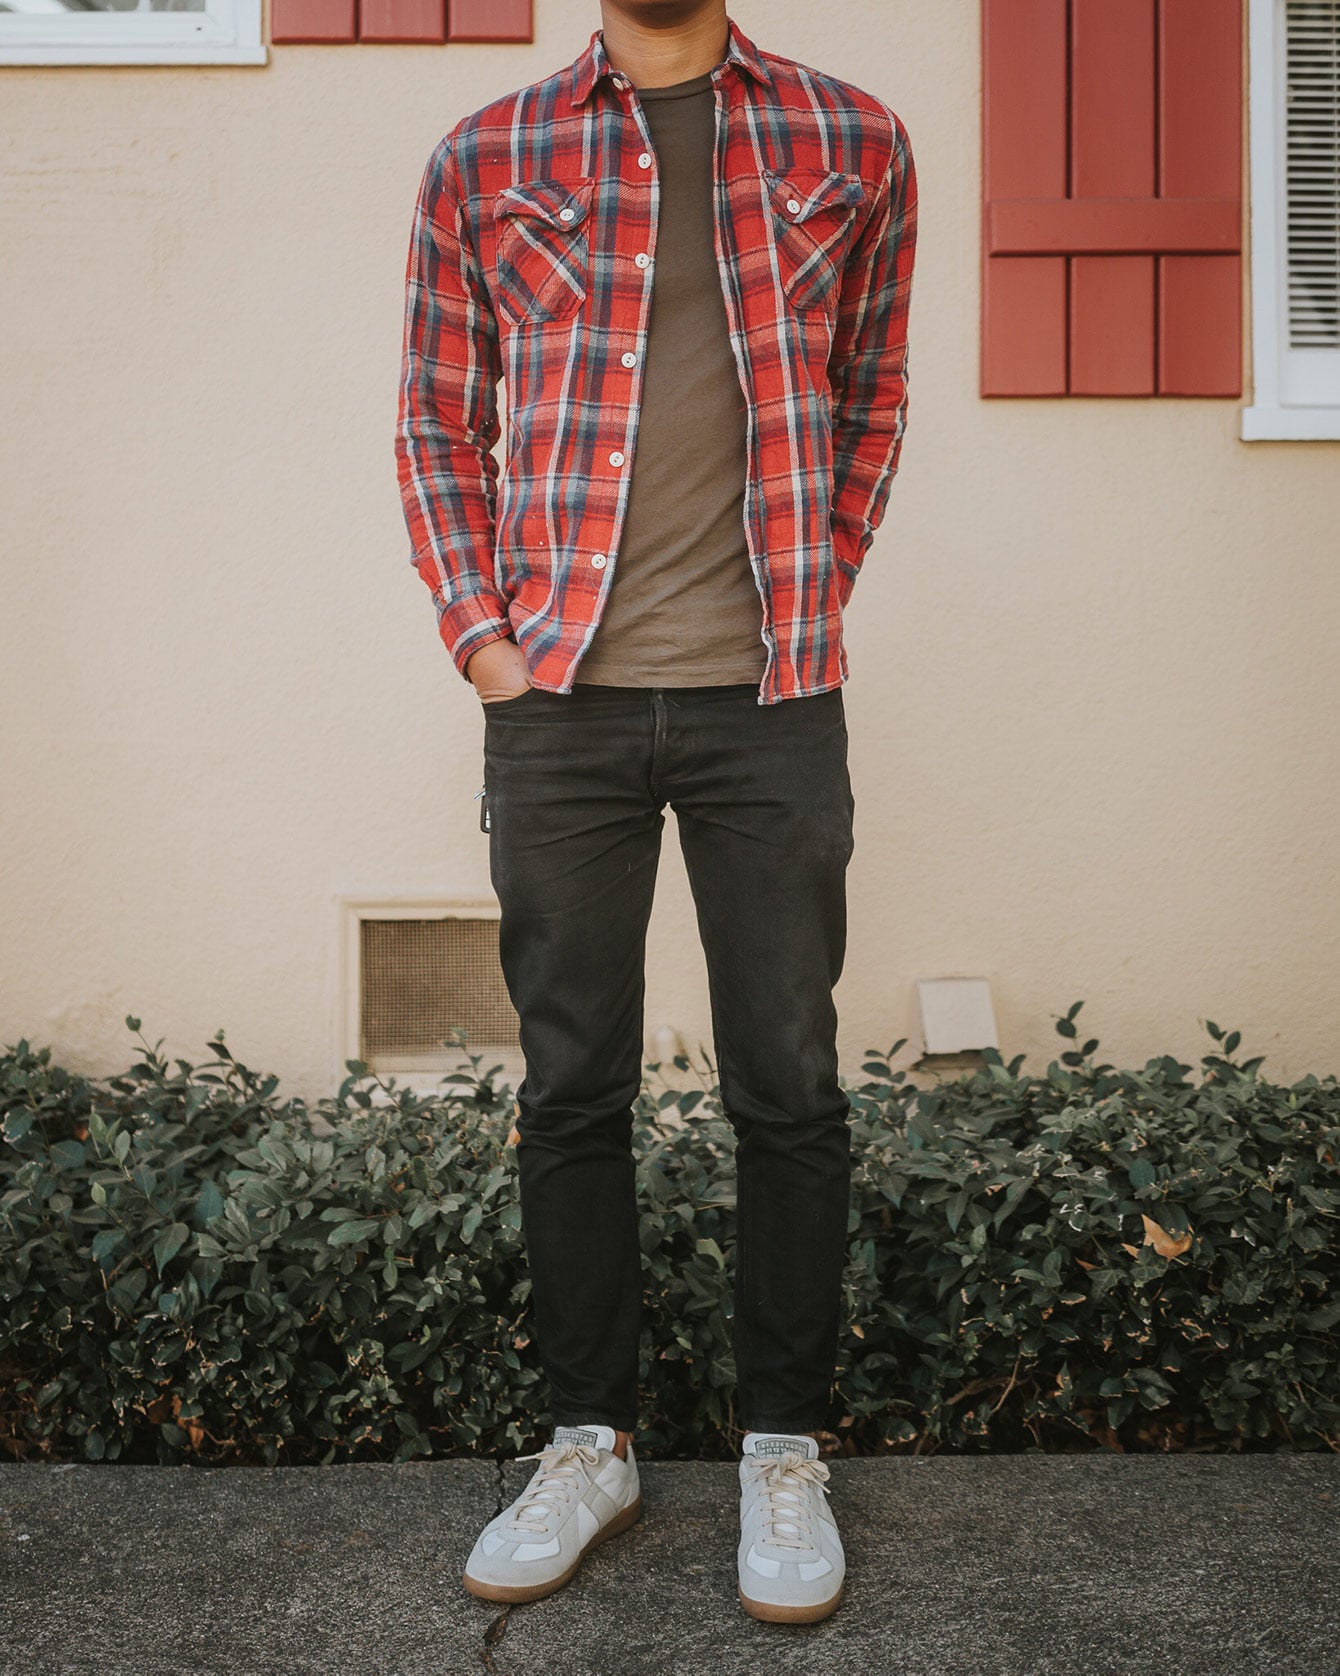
point(663, 57)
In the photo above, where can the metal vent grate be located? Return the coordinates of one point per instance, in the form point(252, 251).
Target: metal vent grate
point(420, 979)
point(1312, 163)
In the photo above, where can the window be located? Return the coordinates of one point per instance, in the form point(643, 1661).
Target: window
point(1295, 173)
point(131, 32)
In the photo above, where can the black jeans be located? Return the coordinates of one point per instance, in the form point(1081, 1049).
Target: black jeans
point(576, 785)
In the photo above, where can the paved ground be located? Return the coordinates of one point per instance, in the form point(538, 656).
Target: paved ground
point(1004, 1566)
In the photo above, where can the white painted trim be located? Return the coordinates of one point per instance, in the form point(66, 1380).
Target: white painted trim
point(1270, 418)
point(226, 32)
point(1290, 424)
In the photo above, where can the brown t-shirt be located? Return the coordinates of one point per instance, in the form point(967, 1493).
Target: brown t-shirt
point(683, 608)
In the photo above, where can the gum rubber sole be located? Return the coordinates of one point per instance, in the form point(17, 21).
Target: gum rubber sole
point(769, 1614)
point(515, 1592)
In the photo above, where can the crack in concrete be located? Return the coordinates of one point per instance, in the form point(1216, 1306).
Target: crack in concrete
point(497, 1626)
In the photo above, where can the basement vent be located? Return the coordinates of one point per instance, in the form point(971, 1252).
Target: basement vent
point(422, 979)
point(1312, 163)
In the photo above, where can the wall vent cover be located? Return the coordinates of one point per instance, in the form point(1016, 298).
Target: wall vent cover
point(420, 980)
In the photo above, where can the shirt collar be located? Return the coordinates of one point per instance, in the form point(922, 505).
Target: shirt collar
point(593, 65)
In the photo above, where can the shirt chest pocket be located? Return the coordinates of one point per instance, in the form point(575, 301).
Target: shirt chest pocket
point(543, 252)
point(813, 217)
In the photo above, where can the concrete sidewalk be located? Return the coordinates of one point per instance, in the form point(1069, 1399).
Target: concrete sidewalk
point(992, 1566)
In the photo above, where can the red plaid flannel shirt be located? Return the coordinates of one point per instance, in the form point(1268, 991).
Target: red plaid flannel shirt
point(532, 260)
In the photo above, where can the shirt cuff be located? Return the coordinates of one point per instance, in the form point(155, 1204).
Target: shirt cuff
point(470, 622)
point(848, 553)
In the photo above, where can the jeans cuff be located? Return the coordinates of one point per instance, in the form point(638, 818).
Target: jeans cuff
point(589, 1417)
point(792, 1426)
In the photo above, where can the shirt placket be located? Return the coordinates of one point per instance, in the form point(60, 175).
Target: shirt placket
point(728, 268)
point(638, 174)
point(645, 176)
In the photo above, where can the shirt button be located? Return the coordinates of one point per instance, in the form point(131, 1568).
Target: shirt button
point(598, 561)
point(616, 458)
point(628, 358)
point(644, 160)
point(567, 213)
point(793, 206)
point(642, 259)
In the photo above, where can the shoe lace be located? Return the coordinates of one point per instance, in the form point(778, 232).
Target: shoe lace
point(785, 1480)
point(556, 1482)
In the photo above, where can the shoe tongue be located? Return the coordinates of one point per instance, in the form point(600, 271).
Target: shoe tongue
point(779, 1443)
point(594, 1437)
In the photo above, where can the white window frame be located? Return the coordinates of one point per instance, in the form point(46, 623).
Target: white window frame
point(226, 32)
point(1271, 417)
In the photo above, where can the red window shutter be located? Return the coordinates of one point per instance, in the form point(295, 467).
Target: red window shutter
point(1200, 156)
point(1025, 76)
point(403, 20)
point(312, 20)
point(1112, 215)
point(490, 20)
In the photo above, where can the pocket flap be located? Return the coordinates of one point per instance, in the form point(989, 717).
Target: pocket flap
point(562, 203)
point(798, 195)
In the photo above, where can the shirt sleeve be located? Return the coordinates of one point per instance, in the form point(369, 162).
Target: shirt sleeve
point(447, 422)
point(868, 364)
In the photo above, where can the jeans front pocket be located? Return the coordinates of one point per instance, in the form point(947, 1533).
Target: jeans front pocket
point(495, 704)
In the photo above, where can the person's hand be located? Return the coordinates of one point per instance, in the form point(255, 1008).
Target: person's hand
point(498, 670)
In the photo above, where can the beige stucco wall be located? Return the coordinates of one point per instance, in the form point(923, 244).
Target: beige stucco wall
point(1094, 691)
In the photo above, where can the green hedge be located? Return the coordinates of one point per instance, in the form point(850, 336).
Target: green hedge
point(193, 1266)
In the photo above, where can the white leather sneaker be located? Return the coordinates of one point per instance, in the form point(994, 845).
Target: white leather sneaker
point(581, 1493)
point(790, 1558)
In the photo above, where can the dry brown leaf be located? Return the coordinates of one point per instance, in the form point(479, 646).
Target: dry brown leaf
point(858, 1330)
point(1166, 1244)
point(1133, 1249)
point(195, 1432)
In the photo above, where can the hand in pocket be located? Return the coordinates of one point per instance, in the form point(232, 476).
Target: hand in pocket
point(499, 671)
